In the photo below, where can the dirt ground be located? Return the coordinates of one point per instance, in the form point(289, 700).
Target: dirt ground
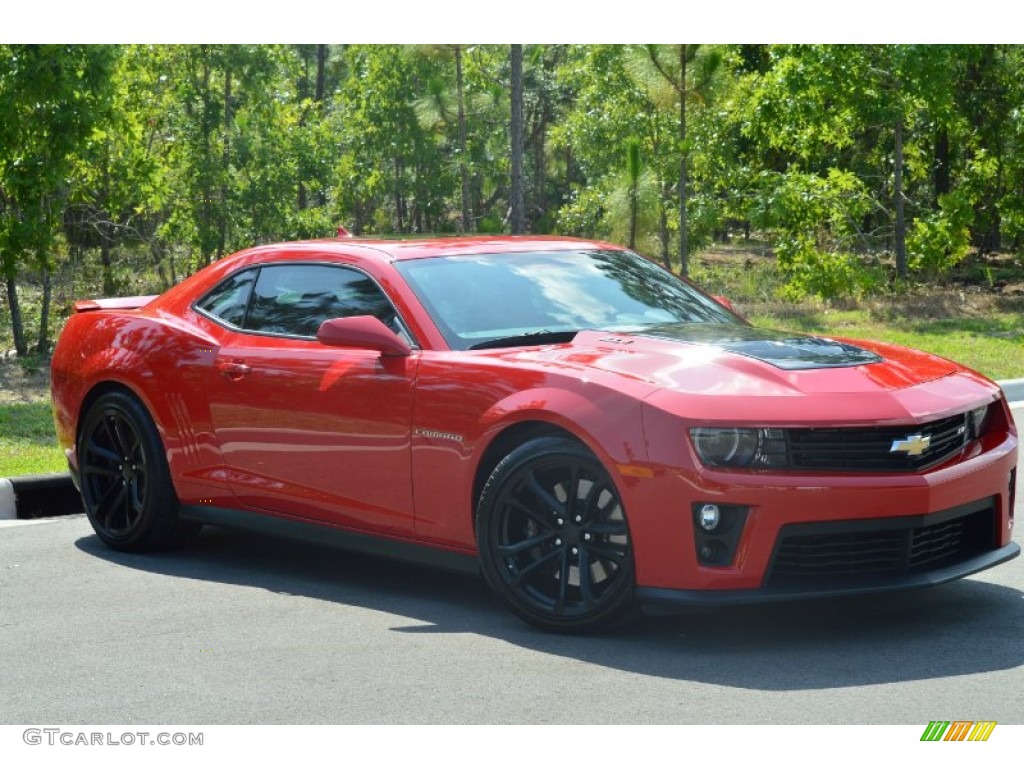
point(21, 385)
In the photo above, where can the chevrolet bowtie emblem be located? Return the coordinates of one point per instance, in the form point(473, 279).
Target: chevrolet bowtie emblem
point(914, 445)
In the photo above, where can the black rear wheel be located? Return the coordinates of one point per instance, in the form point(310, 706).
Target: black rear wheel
point(553, 537)
point(125, 481)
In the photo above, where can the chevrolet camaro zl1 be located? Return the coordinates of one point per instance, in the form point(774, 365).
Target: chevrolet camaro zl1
point(580, 425)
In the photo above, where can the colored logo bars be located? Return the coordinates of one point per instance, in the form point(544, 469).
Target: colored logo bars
point(958, 730)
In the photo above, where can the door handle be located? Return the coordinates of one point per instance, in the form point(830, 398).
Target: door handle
point(234, 369)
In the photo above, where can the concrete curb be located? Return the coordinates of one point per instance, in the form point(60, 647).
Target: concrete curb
point(35, 496)
point(8, 502)
point(1014, 390)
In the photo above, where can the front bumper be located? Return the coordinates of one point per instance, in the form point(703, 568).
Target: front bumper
point(666, 544)
point(656, 600)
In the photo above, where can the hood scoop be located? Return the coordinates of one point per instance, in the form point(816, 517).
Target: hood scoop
point(787, 351)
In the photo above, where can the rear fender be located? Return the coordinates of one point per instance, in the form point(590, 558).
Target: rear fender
point(163, 365)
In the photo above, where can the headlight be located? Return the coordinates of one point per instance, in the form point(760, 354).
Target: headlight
point(728, 447)
point(739, 447)
point(977, 420)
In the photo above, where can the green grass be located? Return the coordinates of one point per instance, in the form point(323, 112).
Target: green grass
point(992, 344)
point(28, 443)
point(968, 321)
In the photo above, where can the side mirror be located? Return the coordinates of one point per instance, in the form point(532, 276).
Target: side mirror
point(362, 332)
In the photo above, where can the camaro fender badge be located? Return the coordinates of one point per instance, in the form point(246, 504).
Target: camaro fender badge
point(914, 445)
point(436, 435)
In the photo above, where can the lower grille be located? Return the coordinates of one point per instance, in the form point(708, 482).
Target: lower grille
point(867, 551)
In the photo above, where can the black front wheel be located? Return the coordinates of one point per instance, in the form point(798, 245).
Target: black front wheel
point(125, 481)
point(553, 539)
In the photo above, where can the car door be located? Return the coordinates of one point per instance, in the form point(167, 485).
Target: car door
point(305, 429)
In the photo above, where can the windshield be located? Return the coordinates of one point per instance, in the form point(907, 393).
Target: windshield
point(486, 300)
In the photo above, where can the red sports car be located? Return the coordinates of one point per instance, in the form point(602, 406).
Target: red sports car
point(564, 415)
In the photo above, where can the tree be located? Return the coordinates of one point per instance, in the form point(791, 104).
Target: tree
point(435, 111)
point(52, 97)
point(690, 78)
point(517, 217)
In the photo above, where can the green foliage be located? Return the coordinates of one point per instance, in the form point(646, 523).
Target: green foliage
point(162, 158)
point(814, 221)
point(941, 239)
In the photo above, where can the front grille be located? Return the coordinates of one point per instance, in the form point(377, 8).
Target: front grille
point(870, 551)
point(869, 449)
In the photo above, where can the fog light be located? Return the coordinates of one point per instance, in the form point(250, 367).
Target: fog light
point(717, 529)
point(709, 517)
point(711, 552)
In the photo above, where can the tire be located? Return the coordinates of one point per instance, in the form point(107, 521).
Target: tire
point(125, 481)
point(553, 538)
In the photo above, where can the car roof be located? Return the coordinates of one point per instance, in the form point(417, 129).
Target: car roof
point(423, 248)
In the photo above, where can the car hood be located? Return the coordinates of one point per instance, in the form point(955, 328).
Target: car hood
point(727, 370)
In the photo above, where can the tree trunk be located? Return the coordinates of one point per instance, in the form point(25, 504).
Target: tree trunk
point(321, 93)
point(663, 235)
point(222, 230)
point(43, 340)
point(517, 219)
point(105, 228)
point(399, 219)
point(540, 178)
point(684, 232)
point(17, 324)
point(108, 268)
point(467, 213)
point(206, 206)
point(632, 216)
point(633, 172)
point(321, 74)
point(156, 251)
point(940, 167)
point(897, 192)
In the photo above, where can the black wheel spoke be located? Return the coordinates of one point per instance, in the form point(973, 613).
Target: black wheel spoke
point(510, 550)
point(136, 488)
point(111, 430)
point(126, 443)
point(563, 584)
point(612, 528)
point(88, 471)
point(585, 502)
point(92, 447)
point(540, 562)
point(540, 517)
point(572, 490)
point(586, 583)
point(593, 497)
point(543, 494)
point(119, 504)
point(607, 552)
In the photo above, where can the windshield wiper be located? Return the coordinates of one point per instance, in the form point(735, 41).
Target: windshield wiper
point(527, 339)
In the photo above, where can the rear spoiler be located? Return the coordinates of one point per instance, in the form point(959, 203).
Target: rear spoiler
point(126, 302)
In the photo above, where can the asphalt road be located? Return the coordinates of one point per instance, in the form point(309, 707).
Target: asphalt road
point(242, 629)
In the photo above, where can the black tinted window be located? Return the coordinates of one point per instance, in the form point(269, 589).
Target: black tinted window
point(296, 299)
point(228, 300)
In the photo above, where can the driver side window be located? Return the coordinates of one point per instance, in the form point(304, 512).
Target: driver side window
point(294, 299)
